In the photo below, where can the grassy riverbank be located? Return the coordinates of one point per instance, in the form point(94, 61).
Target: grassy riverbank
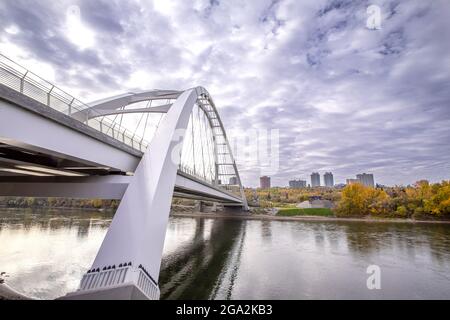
point(289, 212)
point(421, 201)
point(260, 216)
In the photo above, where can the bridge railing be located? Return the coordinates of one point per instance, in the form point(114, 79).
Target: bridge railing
point(233, 189)
point(24, 81)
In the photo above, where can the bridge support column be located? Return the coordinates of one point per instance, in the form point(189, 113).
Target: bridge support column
point(128, 262)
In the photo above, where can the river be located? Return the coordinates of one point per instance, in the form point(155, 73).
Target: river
point(44, 254)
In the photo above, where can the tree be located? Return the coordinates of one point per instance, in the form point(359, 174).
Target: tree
point(378, 202)
point(97, 203)
point(438, 203)
point(353, 201)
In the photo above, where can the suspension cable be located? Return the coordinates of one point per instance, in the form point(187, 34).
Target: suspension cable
point(193, 140)
point(201, 129)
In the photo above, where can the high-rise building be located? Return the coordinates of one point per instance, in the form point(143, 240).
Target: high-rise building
point(352, 181)
point(366, 179)
point(328, 179)
point(315, 179)
point(296, 184)
point(264, 182)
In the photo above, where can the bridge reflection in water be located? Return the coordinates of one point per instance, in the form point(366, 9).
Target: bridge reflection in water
point(200, 258)
point(198, 269)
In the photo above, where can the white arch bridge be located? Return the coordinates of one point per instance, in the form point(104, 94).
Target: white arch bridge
point(52, 145)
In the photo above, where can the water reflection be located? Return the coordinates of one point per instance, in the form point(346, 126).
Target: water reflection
point(46, 252)
point(266, 230)
point(191, 271)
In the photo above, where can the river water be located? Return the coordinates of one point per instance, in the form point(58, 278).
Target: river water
point(44, 254)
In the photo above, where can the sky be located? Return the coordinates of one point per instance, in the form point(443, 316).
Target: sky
point(342, 96)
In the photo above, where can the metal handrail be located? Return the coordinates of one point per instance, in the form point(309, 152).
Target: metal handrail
point(26, 82)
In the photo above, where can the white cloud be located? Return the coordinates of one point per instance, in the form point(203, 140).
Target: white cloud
point(76, 31)
point(344, 97)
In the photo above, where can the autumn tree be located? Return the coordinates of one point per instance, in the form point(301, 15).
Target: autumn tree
point(354, 201)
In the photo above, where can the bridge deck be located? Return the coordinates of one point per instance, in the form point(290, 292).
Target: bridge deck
point(32, 134)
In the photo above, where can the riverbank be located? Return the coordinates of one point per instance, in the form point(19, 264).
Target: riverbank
point(241, 216)
point(8, 293)
point(59, 209)
point(189, 211)
point(294, 212)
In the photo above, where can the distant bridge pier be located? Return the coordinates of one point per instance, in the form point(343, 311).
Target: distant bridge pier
point(203, 206)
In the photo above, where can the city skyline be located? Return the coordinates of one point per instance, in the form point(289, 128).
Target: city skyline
point(345, 98)
point(327, 180)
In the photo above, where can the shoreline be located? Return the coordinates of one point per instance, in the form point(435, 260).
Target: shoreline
point(8, 293)
point(244, 216)
point(59, 208)
point(298, 218)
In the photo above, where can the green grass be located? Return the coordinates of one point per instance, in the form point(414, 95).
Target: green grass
point(288, 212)
point(284, 205)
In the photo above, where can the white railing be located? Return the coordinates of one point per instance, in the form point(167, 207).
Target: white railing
point(111, 277)
point(24, 81)
point(147, 285)
point(103, 278)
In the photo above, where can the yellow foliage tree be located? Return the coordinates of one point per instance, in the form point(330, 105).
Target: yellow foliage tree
point(354, 201)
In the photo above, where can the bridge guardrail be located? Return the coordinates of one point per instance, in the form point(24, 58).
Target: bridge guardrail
point(26, 82)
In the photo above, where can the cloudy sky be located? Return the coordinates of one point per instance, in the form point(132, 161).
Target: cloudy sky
point(345, 98)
